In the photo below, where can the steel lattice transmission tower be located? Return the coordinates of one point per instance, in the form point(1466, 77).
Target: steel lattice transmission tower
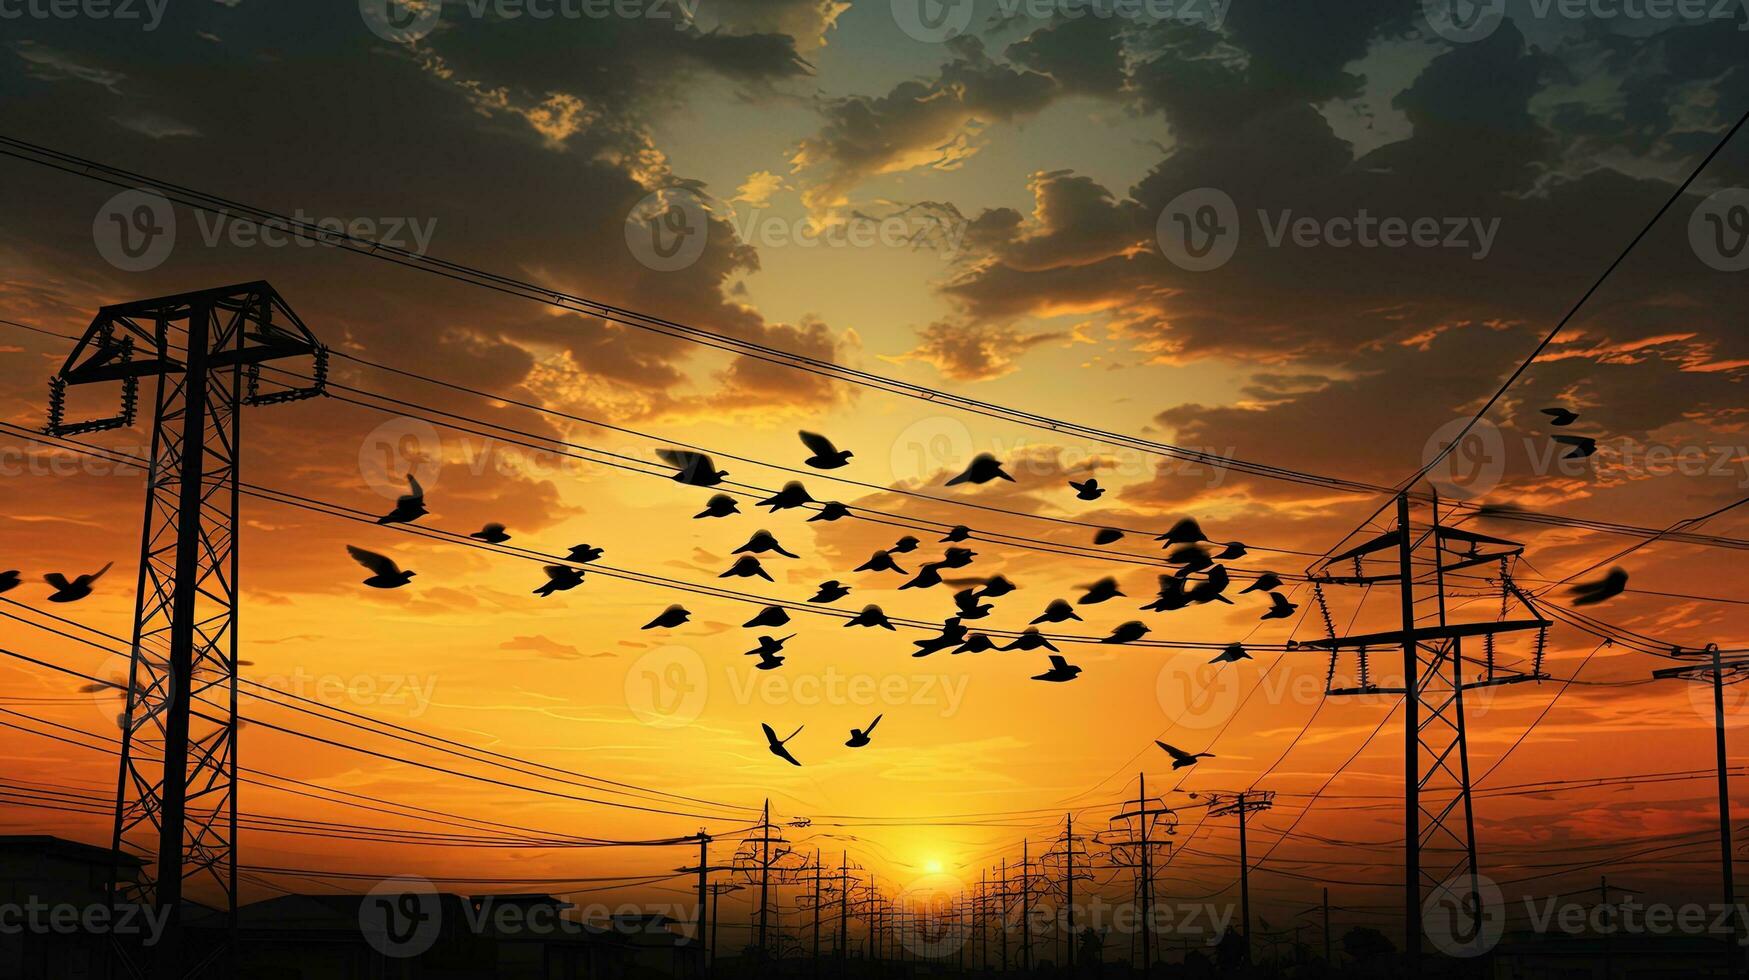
point(176, 794)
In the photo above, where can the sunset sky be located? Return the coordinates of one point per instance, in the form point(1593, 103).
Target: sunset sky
point(1021, 169)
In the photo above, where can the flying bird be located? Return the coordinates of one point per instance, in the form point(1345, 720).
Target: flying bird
point(1180, 758)
point(776, 745)
point(792, 495)
point(9, 580)
point(927, 577)
point(668, 618)
point(761, 542)
point(1234, 550)
point(1061, 671)
point(1560, 416)
point(409, 506)
point(976, 643)
point(769, 616)
point(859, 736)
point(969, 607)
point(996, 587)
point(694, 469)
point(1186, 531)
point(584, 554)
point(767, 652)
point(1234, 653)
point(1267, 582)
point(983, 469)
point(1057, 612)
point(956, 558)
point(831, 590)
point(1031, 639)
point(952, 634)
point(1107, 535)
point(560, 578)
point(959, 532)
point(1211, 587)
point(1279, 607)
point(1582, 446)
point(1605, 588)
point(904, 545)
point(1193, 558)
point(871, 615)
point(721, 505)
point(880, 561)
point(1088, 489)
point(747, 567)
point(832, 511)
point(1128, 632)
point(385, 574)
point(491, 534)
point(1100, 591)
point(1171, 596)
point(826, 456)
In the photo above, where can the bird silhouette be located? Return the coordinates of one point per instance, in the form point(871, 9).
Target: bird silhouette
point(1061, 671)
point(1171, 595)
point(1582, 446)
point(491, 534)
point(792, 495)
point(761, 542)
point(995, 587)
point(385, 574)
point(1186, 531)
point(1058, 611)
point(976, 643)
point(694, 469)
point(880, 561)
point(952, 635)
point(1605, 588)
point(1233, 551)
point(1031, 639)
point(927, 577)
point(826, 456)
point(1211, 587)
point(747, 567)
point(1106, 535)
point(859, 736)
point(1279, 607)
point(904, 545)
point(1128, 632)
point(1193, 558)
point(9, 580)
point(584, 554)
point(984, 468)
point(409, 506)
point(1088, 489)
point(769, 616)
point(720, 505)
point(767, 651)
point(668, 618)
point(956, 558)
point(560, 578)
point(776, 745)
point(1100, 591)
point(831, 590)
point(969, 608)
point(1560, 416)
point(1234, 653)
point(1267, 582)
point(871, 615)
point(1181, 758)
point(831, 511)
point(959, 532)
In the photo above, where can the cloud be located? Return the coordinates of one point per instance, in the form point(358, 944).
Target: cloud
point(973, 351)
point(544, 645)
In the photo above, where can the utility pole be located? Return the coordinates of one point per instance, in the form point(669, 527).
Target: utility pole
point(755, 860)
point(1226, 805)
point(816, 912)
point(844, 907)
point(704, 841)
point(1715, 668)
point(184, 643)
point(981, 918)
point(1136, 831)
point(1003, 915)
point(1025, 909)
